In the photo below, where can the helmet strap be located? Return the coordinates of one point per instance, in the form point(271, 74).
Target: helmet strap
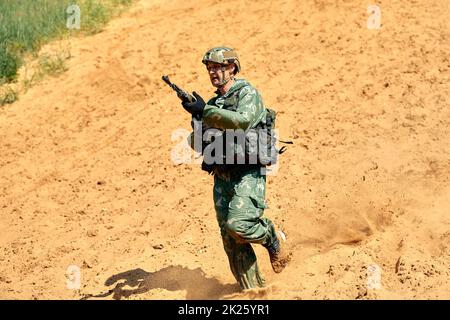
point(224, 82)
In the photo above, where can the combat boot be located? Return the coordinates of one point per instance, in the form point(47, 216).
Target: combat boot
point(279, 256)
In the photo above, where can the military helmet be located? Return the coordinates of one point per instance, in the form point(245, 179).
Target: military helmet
point(222, 55)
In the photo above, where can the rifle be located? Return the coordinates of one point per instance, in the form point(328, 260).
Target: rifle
point(183, 95)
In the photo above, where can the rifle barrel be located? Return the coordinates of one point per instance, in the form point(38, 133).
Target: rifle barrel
point(166, 80)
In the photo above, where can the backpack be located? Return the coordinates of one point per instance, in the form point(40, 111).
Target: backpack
point(267, 151)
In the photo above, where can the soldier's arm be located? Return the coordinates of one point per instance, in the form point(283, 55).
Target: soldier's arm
point(247, 114)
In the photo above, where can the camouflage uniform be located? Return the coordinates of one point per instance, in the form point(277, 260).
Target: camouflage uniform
point(239, 190)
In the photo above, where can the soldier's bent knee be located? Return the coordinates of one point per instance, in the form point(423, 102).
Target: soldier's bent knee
point(237, 229)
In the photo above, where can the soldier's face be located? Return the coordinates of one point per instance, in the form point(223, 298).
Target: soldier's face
point(216, 76)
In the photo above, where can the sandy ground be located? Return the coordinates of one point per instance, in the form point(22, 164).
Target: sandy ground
point(86, 176)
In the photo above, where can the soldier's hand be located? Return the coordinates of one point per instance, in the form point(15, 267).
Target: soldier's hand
point(196, 107)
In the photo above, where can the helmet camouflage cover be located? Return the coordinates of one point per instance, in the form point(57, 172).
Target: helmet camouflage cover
point(222, 55)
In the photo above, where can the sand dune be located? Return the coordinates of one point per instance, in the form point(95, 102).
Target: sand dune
point(86, 176)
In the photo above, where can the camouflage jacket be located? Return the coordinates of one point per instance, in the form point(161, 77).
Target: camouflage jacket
point(249, 108)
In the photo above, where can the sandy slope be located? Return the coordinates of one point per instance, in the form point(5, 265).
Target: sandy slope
point(86, 176)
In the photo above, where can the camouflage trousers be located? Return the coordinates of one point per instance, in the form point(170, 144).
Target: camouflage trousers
point(239, 204)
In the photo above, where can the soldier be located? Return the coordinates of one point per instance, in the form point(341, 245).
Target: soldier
point(239, 189)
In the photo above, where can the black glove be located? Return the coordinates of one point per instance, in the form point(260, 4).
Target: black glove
point(196, 107)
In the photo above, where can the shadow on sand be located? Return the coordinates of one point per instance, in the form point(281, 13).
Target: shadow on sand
point(173, 278)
